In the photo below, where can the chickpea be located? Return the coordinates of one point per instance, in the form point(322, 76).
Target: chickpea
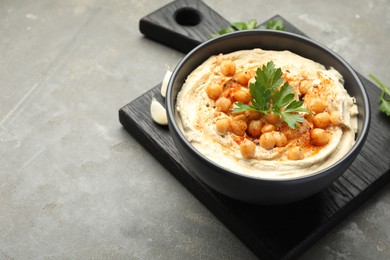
point(271, 118)
point(228, 68)
point(242, 77)
point(253, 115)
point(268, 128)
point(319, 137)
point(223, 104)
point(267, 141)
point(247, 149)
point(335, 118)
point(321, 120)
point(242, 95)
point(280, 139)
point(304, 86)
point(223, 126)
point(295, 153)
point(214, 91)
point(238, 127)
point(241, 116)
point(316, 105)
point(254, 128)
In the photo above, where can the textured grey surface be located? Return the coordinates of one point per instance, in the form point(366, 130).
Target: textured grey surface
point(75, 184)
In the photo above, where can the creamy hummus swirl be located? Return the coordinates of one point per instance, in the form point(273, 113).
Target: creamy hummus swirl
point(198, 115)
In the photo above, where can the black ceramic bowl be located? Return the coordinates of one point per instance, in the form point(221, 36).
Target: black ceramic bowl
point(252, 189)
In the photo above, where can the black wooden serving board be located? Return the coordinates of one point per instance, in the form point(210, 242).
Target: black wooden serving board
point(271, 232)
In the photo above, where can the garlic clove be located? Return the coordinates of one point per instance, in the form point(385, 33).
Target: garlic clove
point(164, 83)
point(158, 112)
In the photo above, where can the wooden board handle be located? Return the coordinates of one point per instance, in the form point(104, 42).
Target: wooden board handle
point(182, 24)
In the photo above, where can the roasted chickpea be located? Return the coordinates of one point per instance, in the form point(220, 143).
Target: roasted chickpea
point(321, 120)
point(223, 126)
point(304, 86)
point(223, 104)
point(268, 128)
point(253, 115)
point(319, 137)
point(238, 127)
point(214, 91)
point(228, 68)
point(295, 153)
point(242, 77)
point(335, 118)
point(316, 105)
point(267, 141)
point(242, 95)
point(271, 118)
point(247, 149)
point(280, 139)
point(254, 128)
point(241, 116)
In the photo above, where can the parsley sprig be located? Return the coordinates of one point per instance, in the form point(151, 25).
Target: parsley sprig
point(273, 24)
point(384, 104)
point(237, 26)
point(269, 95)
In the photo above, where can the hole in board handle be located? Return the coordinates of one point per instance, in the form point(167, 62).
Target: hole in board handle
point(188, 16)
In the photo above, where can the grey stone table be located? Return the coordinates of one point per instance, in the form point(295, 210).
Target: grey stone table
point(75, 185)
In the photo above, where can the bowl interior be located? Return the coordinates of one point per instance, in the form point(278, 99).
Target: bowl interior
point(271, 40)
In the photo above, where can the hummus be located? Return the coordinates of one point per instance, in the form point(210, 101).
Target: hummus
point(325, 135)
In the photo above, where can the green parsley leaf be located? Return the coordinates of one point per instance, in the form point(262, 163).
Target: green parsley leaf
point(237, 26)
point(241, 107)
point(384, 104)
point(275, 25)
point(251, 24)
point(292, 119)
point(385, 107)
point(223, 31)
point(267, 95)
point(282, 97)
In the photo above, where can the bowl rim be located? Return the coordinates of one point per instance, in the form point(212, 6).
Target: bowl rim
point(359, 141)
